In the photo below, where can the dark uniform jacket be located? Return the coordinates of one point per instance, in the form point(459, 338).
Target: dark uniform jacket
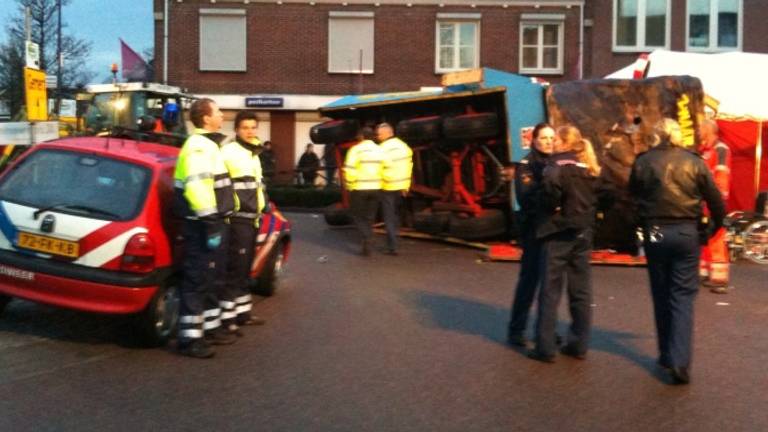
point(669, 183)
point(568, 197)
point(528, 176)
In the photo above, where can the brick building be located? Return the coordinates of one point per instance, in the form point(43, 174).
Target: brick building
point(286, 58)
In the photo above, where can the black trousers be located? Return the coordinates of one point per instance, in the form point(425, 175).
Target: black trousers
point(565, 263)
point(673, 259)
point(527, 281)
point(390, 211)
point(242, 247)
point(363, 205)
point(202, 281)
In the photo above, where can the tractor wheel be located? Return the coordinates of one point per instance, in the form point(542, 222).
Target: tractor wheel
point(4, 300)
point(471, 126)
point(430, 222)
point(334, 131)
point(419, 129)
point(488, 224)
point(336, 215)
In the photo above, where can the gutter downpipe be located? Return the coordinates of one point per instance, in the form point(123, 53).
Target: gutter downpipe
point(165, 42)
point(581, 40)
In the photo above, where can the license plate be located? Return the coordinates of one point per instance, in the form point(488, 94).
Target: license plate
point(49, 245)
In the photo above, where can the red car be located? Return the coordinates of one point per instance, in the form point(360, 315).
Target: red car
point(85, 223)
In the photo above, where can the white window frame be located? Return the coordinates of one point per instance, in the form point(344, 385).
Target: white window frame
point(640, 36)
point(713, 21)
point(456, 19)
point(539, 21)
point(334, 15)
point(204, 64)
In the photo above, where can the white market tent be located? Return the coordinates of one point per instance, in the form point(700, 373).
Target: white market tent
point(735, 79)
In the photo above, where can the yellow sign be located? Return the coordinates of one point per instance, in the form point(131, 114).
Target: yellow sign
point(686, 121)
point(37, 97)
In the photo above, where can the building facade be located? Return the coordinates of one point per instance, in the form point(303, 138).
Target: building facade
point(286, 58)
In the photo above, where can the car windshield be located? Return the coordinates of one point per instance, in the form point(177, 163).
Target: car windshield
point(77, 183)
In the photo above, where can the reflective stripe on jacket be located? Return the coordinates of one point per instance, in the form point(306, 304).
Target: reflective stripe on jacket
point(244, 168)
point(397, 166)
point(362, 166)
point(201, 178)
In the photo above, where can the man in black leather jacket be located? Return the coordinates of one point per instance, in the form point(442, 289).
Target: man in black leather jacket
point(669, 184)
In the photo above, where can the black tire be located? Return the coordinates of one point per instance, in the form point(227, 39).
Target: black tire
point(471, 126)
point(335, 215)
point(430, 222)
point(420, 129)
point(4, 300)
point(269, 280)
point(488, 224)
point(334, 131)
point(159, 321)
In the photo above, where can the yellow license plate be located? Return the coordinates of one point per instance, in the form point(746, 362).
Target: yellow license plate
point(49, 245)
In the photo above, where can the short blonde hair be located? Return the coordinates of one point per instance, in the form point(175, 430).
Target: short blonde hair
point(669, 130)
point(585, 151)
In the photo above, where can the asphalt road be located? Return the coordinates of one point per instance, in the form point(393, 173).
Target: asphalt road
point(407, 343)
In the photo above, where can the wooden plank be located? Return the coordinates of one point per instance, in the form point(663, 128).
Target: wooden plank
point(462, 77)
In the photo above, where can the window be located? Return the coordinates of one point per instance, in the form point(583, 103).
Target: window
point(541, 47)
point(350, 42)
point(640, 25)
point(222, 40)
point(714, 25)
point(457, 44)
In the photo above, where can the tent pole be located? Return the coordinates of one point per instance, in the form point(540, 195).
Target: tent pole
point(758, 158)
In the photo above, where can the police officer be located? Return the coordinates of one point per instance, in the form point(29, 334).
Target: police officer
point(362, 174)
point(714, 265)
point(204, 197)
point(396, 180)
point(241, 158)
point(528, 175)
point(668, 184)
point(567, 211)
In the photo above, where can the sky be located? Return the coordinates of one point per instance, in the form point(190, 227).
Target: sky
point(102, 22)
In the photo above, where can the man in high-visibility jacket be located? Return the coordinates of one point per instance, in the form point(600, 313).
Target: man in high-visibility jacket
point(241, 157)
point(396, 180)
point(714, 266)
point(362, 176)
point(204, 197)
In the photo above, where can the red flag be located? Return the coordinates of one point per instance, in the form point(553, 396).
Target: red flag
point(134, 67)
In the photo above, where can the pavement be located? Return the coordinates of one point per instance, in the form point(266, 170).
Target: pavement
point(413, 342)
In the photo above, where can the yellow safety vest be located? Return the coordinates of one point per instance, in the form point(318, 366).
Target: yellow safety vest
point(398, 165)
point(362, 166)
point(201, 178)
point(244, 168)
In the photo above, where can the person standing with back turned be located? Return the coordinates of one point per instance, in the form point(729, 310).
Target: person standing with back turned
point(668, 184)
point(362, 175)
point(396, 175)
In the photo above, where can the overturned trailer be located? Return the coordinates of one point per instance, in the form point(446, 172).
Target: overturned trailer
point(465, 134)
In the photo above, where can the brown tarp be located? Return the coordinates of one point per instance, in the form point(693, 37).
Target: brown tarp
point(617, 116)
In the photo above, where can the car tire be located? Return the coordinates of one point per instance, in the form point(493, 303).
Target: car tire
point(4, 300)
point(488, 224)
point(158, 322)
point(471, 126)
point(430, 222)
point(334, 131)
point(267, 283)
point(420, 129)
point(336, 215)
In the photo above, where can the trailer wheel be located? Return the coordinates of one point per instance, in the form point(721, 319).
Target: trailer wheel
point(430, 222)
point(419, 129)
point(488, 224)
point(336, 215)
point(4, 300)
point(471, 126)
point(334, 131)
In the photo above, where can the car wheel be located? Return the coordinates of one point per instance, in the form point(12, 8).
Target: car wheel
point(419, 129)
point(471, 126)
point(158, 322)
point(488, 224)
point(4, 300)
point(268, 282)
point(430, 222)
point(335, 215)
point(334, 131)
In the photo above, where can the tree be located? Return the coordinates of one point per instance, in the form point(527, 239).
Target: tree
point(44, 24)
